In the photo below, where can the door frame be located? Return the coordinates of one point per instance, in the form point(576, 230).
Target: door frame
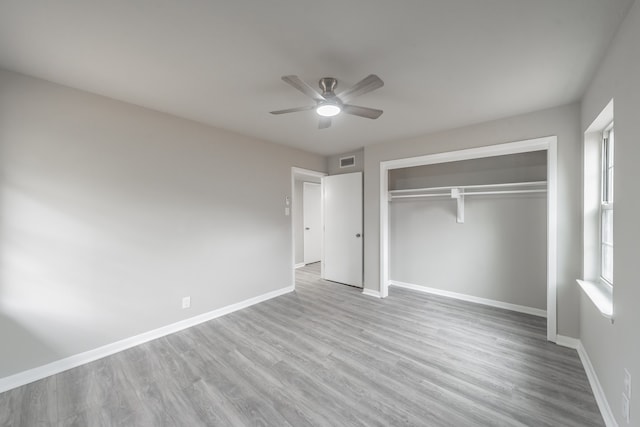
point(297, 172)
point(548, 144)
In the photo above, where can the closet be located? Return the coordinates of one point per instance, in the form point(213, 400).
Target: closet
point(475, 229)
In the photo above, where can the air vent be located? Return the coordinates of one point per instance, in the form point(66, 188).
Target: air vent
point(347, 162)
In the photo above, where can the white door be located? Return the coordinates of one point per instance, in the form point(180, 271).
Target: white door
point(311, 213)
point(342, 203)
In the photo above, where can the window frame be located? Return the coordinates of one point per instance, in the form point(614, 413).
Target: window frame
point(607, 172)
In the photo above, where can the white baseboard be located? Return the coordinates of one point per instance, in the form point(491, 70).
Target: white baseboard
point(569, 342)
point(300, 264)
point(470, 298)
point(35, 374)
point(371, 293)
point(598, 392)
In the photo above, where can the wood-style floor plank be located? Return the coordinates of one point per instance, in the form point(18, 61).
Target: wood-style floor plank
point(31, 405)
point(326, 355)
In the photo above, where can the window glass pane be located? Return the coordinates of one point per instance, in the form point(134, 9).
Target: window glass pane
point(607, 226)
point(609, 198)
point(607, 263)
point(604, 171)
point(610, 149)
point(610, 166)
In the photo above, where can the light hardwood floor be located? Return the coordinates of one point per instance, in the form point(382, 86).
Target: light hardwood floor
point(325, 355)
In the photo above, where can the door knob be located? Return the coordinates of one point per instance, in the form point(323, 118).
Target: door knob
point(307, 228)
point(358, 235)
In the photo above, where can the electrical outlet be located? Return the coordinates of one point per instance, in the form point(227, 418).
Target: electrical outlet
point(186, 302)
point(625, 408)
point(627, 383)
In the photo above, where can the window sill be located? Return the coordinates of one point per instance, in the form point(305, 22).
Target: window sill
point(600, 295)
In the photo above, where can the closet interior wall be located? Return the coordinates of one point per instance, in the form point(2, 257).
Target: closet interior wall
point(498, 253)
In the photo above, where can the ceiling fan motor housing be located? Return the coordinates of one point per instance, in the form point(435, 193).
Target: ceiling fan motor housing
point(328, 84)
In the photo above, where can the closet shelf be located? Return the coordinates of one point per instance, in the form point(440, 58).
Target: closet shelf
point(459, 192)
point(466, 193)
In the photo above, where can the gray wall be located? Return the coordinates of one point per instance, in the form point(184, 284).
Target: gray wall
point(531, 166)
point(111, 213)
point(612, 347)
point(564, 122)
point(333, 163)
point(498, 253)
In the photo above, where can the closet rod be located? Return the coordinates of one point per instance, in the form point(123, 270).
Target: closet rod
point(473, 193)
point(482, 193)
point(414, 196)
point(462, 187)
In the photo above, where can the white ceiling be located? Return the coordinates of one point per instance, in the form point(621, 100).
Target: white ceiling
point(445, 63)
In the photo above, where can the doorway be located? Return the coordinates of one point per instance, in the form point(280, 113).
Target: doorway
point(300, 177)
point(312, 222)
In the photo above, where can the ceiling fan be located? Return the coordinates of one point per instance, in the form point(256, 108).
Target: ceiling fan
point(328, 104)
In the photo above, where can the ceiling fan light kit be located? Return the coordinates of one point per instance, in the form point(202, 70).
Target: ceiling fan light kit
point(328, 104)
point(328, 110)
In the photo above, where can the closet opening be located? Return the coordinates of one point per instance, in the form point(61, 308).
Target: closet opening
point(476, 224)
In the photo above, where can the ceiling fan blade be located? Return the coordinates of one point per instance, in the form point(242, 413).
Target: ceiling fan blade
point(369, 83)
point(303, 87)
point(294, 110)
point(369, 113)
point(324, 122)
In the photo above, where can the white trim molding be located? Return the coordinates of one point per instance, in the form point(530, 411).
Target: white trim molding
point(470, 298)
point(552, 237)
point(35, 374)
point(598, 392)
point(371, 293)
point(568, 342)
point(548, 143)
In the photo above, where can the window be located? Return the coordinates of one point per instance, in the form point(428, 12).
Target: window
point(606, 207)
point(597, 220)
